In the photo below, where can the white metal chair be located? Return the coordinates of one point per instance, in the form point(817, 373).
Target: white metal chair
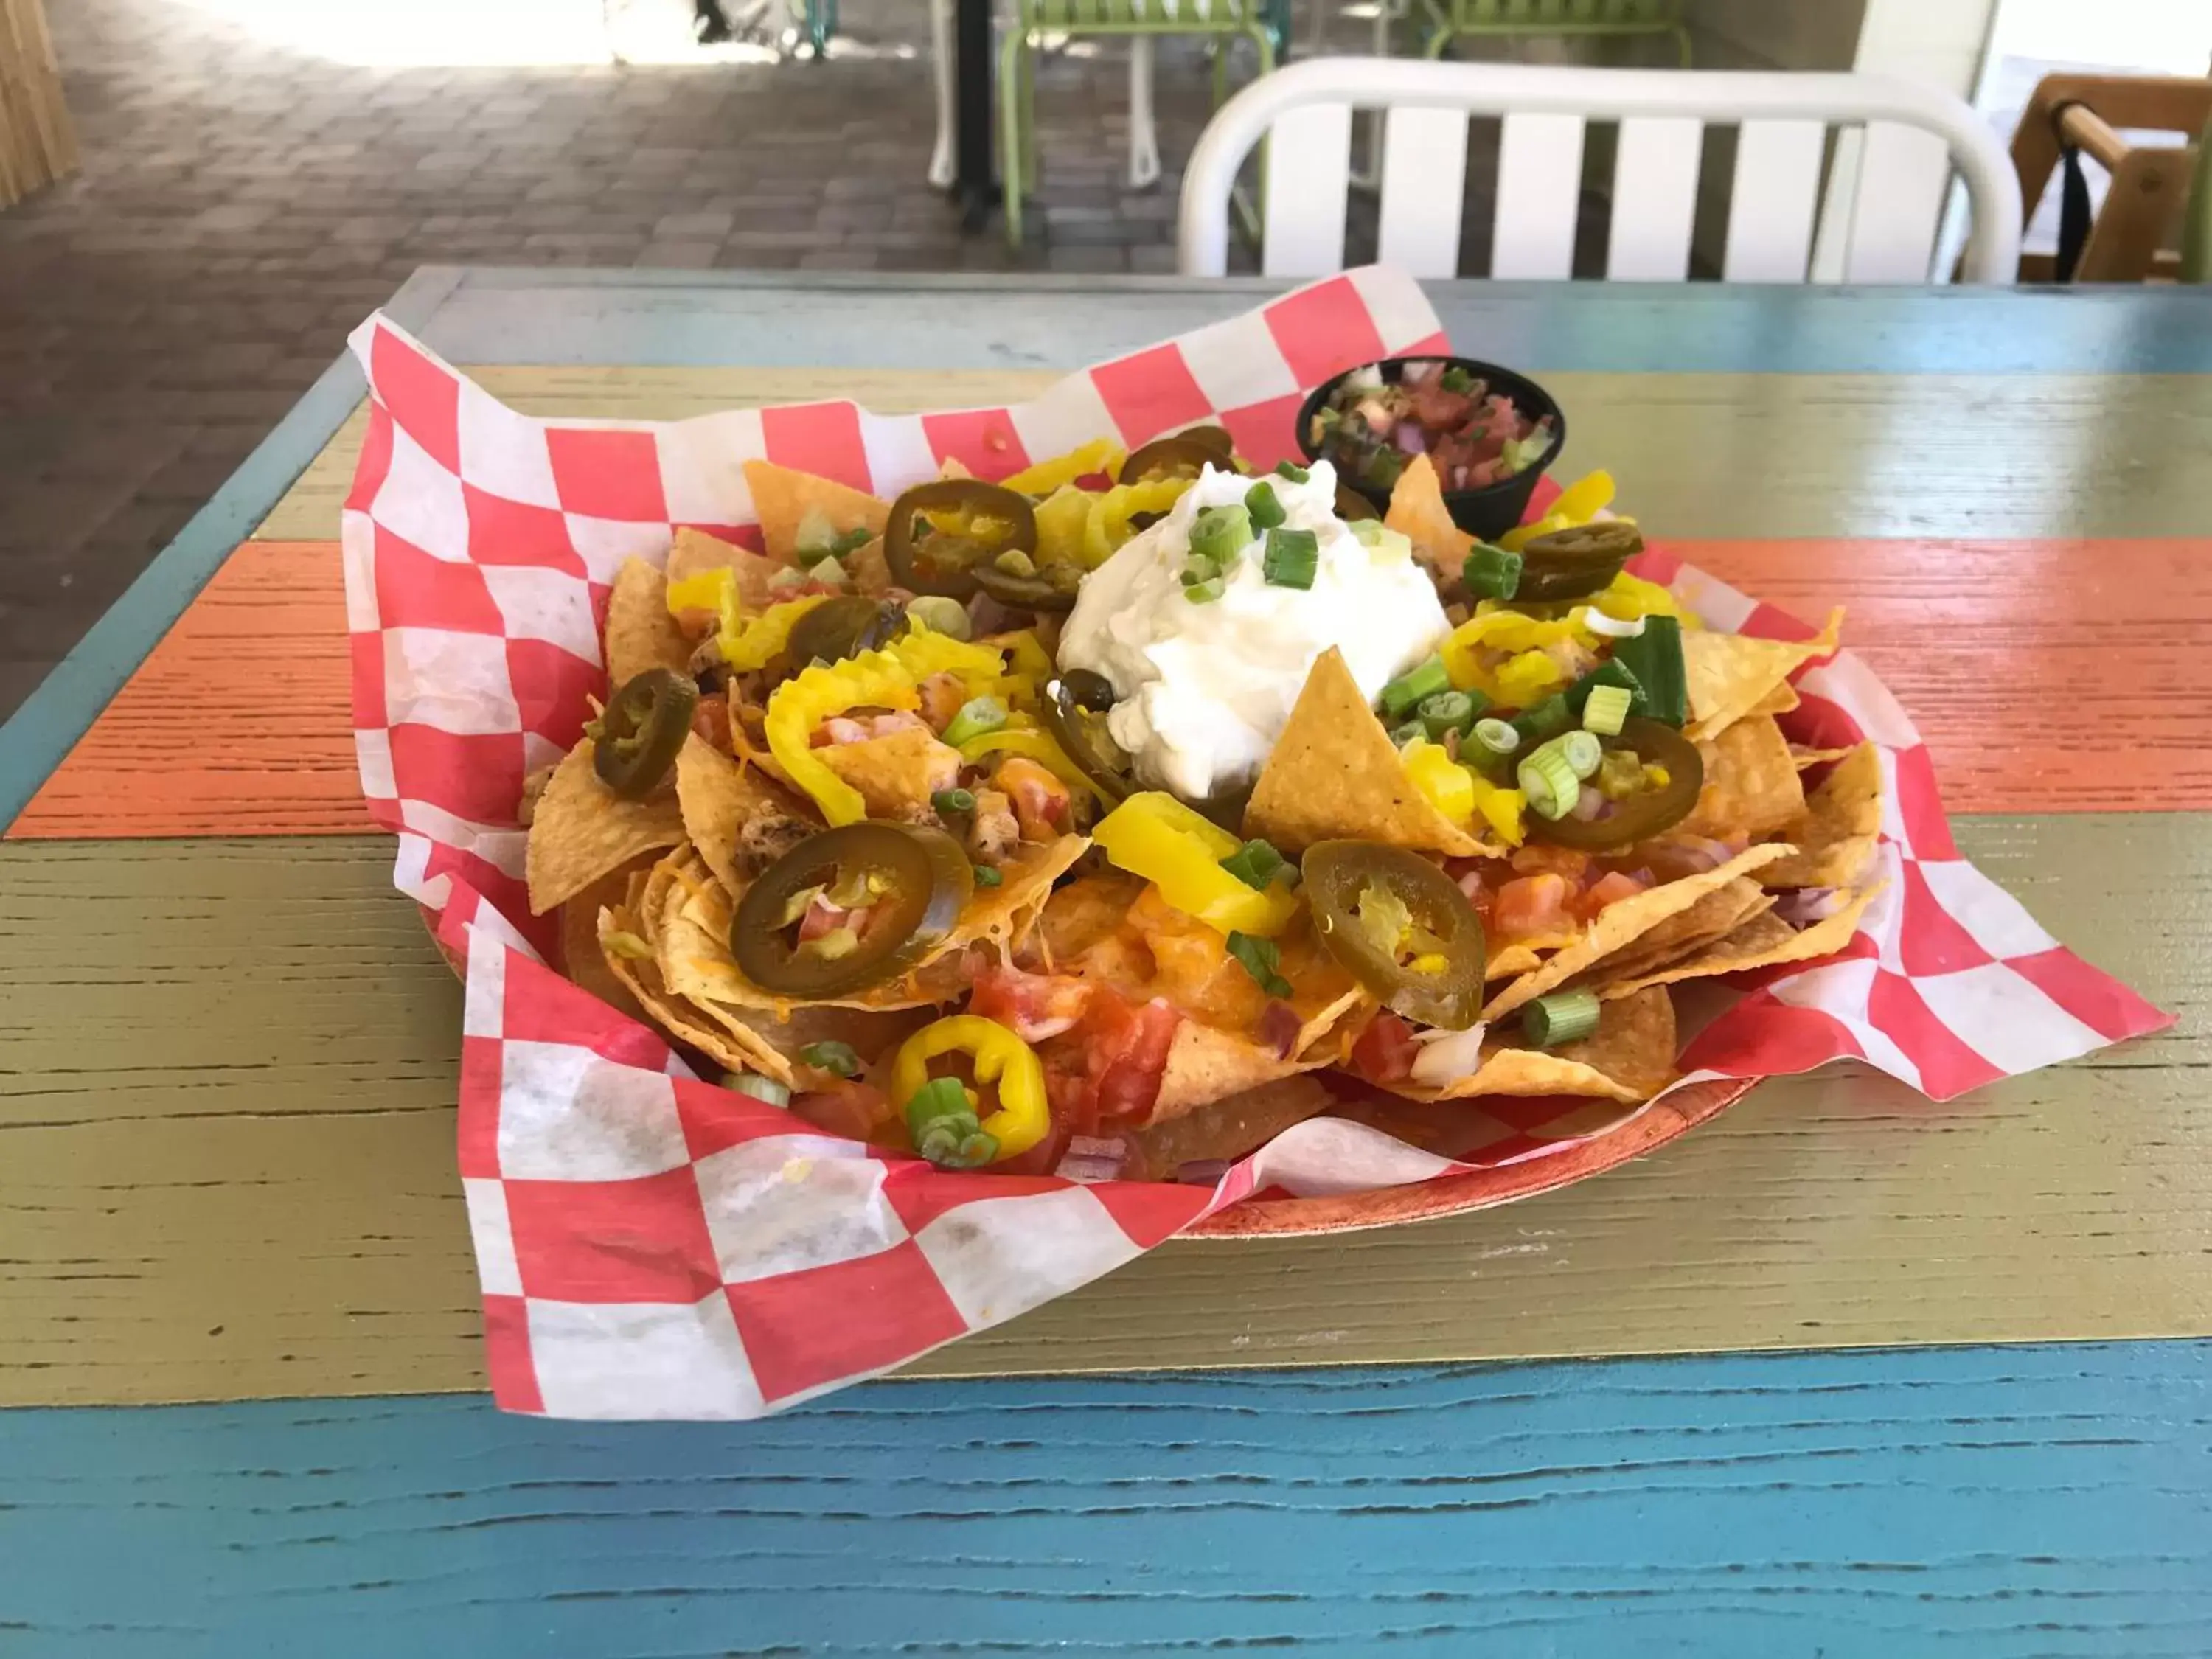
point(1915, 137)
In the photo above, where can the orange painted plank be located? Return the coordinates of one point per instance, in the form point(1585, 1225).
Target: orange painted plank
point(2047, 676)
point(239, 724)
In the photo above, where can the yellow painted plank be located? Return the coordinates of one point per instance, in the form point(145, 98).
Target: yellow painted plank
point(1696, 455)
point(226, 1163)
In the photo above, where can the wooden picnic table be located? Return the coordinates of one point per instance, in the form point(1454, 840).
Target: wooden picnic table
point(1842, 1372)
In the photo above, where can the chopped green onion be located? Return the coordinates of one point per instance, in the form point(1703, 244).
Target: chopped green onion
point(1381, 469)
point(1605, 709)
point(1288, 470)
point(759, 1087)
point(1447, 711)
point(852, 541)
point(1219, 534)
point(828, 572)
point(837, 1058)
point(1491, 572)
point(939, 615)
point(976, 716)
point(1498, 736)
point(1612, 671)
point(1423, 680)
point(1393, 545)
point(941, 1118)
point(815, 533)
point(1654, 657)
point(1455, 379)
point(1562, 1018)
point(1410, 731)
point(1546, 719)
point(1204, 593)
point(986, 876)
point(946, 802)
point(1520, 454)
point(1549, 782)
point(1258, 866)
point(620, 942)
point(1202, 571)
point(1582, 749)
point(1292, 558)
point(1262, 961)
point(1260, 503)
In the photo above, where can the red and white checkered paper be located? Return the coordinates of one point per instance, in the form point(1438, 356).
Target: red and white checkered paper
point(653, 1245)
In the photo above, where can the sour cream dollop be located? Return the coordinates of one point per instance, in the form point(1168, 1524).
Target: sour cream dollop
point(1202, 691)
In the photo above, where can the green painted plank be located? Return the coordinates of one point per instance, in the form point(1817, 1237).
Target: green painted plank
point(226, 1153)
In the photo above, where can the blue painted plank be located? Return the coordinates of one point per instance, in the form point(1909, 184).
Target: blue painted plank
point(776, 320)
point(47, 726)
point(1991, 1502)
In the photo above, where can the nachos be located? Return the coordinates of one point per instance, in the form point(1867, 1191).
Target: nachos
point(1112, 817)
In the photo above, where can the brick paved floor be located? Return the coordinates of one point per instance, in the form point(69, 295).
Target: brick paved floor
point(241, 206)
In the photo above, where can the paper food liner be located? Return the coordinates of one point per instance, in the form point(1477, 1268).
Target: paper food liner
point(651, 1245)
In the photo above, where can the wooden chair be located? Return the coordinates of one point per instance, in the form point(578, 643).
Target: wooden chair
point(1305, 113)
point(2150, 184)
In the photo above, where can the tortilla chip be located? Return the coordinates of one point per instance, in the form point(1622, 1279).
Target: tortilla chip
point(1226, 1128)
point(1417, 512)
point(1835, 836)
point(1751, 783)
point(1334, 773)
point(1206, 1063)
point(1623, 923)
point(1629, 1058)
point(639, 632)
point(782, 497)
point(696, 552)
point(774, 1043)
point(719, 798)
point(1714, 916)
point(1805, 759)
point(1729, 675)
point(581, 832)
point(676, 1017)
point(868, 570)
point(953, 467)
point(582, 960)
point(898, 774)
point(1764, 941)
point(694, 930)
point(1779, 701)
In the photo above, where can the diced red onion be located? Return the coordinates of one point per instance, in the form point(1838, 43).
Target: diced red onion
point(1279, 1028)
point(1589, 805)
point(1447, 1056)
point(1410, 438)
point(1202, 1171)
point(1700, 852)
point(1093, 1158)
point(1803, 910)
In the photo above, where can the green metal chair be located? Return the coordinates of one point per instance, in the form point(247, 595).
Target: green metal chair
point(1510, 19)
point(2196, 216)
point(1265, 23)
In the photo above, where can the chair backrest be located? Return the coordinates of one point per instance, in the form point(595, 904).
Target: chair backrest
point(1306, 112)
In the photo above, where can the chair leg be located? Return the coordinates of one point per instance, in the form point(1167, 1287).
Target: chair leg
point(1682, 32)
point(1011, 139)
point(943, 169)
point(1031, 59)
point(1144, 140)
point(1220, 46)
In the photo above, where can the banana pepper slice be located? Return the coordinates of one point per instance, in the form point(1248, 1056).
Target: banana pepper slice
point(1108, 526)
point(1578, 503)
point(1153, 834)
point(1099, 455)
point(874, 679)
point(1023, 1116)
point(756, 641)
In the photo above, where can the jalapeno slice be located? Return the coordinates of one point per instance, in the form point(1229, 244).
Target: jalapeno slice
point(1644, 813)
point(634, 744)
point(1570, 563)
point(1179, 457)
point(1214, 437)
point(1401, 927)
point(1075, 713)
point(912, 882)
point(944, 561)
point(1043, 587)
point(1351, 504)
point(844, 627)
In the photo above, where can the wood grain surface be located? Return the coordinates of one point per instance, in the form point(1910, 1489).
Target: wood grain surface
point(226, 1156)
point(1988, 456)
point(191, 747)
point(1997, 1504)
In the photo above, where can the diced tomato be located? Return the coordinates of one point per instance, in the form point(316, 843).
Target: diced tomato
point(942, 695)
point(1385, 1051)
point(1531, 907)
point(1536, 858)
point(1135, 1054)
point(710, 718)
point(1033, 1006)
point(822, 917)
point(848, 1107)
point(1608, 889)
point(1041, 800)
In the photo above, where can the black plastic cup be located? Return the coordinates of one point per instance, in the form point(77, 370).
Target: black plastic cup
point(1486, 512)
